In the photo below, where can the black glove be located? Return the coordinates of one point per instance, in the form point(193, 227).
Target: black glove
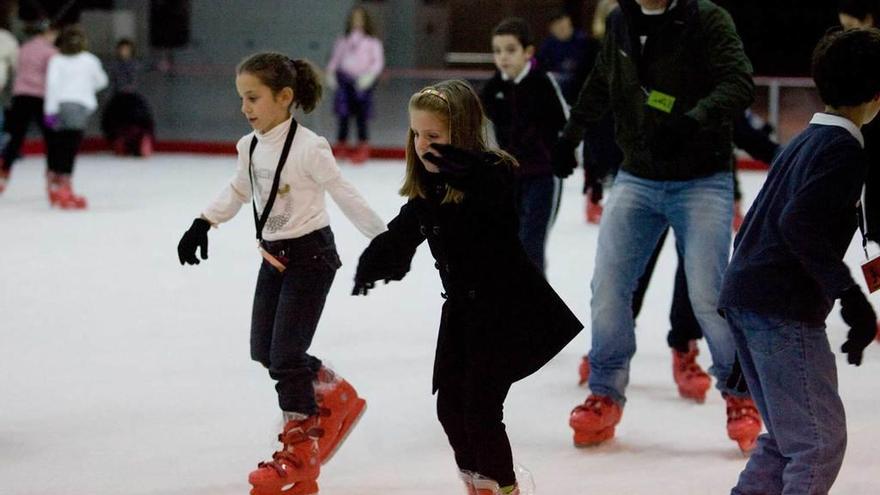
point(453, 161)
point(858, 314)
point(671, 135)
point(562, 158)
point(195, 237)
point(361, 288)
point(736, 380)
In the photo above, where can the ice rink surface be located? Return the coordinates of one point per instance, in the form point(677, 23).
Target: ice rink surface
point(122, 372)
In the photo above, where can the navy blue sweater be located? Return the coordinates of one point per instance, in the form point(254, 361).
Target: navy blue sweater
point(788, 256)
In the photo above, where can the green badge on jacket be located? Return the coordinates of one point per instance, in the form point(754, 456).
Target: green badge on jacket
point(661, 101)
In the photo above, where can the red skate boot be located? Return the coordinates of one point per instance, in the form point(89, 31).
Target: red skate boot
point(486, 486)
point(339, 407)
point(743, 422)
point(294, 469)
point(692, 381)
point(593, 421)
point(341, 150)
point(360, 154)
point(61, 192)
point(584, 370)
point(594, 212)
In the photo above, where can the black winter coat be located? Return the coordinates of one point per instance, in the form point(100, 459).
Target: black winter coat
point(501, 319)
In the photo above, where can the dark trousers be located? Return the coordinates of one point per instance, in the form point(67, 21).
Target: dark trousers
point(287, 307)
point(537, 203)
point(23, 111)
point(685, 326)
point(360, 119)
point(63, 147)
point(471, 410)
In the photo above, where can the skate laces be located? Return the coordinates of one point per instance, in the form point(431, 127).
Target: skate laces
point(594, 404)
point(741, 407)
point(290, 455)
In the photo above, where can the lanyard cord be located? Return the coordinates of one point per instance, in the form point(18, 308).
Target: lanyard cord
point(260, 220)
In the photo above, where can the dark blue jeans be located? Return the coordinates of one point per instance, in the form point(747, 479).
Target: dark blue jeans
point(287, 307)
point(537, 203)
point(791, 374)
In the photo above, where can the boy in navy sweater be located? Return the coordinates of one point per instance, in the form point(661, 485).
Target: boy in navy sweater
point(528, 112)
point(787, 270)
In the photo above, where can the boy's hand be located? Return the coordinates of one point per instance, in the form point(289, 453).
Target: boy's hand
point(562, 158)
point(361, 288)
point(858, 314)
point(195, 237)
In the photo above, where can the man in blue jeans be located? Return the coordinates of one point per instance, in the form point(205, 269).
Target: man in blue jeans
point(674, 74)
point(787, 270)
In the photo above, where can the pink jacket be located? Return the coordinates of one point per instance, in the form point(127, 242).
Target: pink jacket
point(357, 55)
point(30, 73)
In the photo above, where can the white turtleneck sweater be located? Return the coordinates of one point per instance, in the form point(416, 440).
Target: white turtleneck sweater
point(299, 206)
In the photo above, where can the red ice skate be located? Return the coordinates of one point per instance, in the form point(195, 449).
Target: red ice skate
point(584, 370)
point(360, 154)
point(692, 381)
point(743, 422)
point(594, 212)
point(486, 486)
point(341, 150)
point(294, 469)
point(594, 421)
point(467, 478)
point(61, 193)
point(339, 408)
point(738, 217)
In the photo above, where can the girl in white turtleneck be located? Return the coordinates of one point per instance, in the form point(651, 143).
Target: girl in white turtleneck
point(284, 169)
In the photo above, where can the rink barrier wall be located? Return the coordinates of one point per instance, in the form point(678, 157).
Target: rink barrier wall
point(98, 145)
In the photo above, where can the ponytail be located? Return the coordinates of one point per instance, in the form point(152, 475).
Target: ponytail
point(307, 90)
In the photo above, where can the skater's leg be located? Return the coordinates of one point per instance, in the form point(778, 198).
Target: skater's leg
point(303, 292)
point(700, 212)
point(630, 229)
point(797, 375)
point(263, 315)
point(536, 202)
point(684, 325)
point(484, 424)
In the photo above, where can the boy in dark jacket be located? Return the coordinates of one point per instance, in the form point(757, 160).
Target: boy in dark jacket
point(787, 270)
point(528, 111)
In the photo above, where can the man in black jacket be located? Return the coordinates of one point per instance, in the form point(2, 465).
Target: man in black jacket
point(674, 74)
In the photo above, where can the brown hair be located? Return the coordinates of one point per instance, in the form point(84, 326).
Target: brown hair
point(456, 103)
point(369, 27)
point(278, 71)
point(72, 40)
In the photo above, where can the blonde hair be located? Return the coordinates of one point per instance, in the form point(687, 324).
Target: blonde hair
point(455, 103)
point(603, 8)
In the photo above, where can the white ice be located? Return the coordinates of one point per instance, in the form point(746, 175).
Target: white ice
point(122, 372)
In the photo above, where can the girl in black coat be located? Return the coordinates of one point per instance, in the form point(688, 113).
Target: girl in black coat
point(501, 320)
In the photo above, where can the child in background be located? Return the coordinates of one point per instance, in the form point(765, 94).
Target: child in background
point(528, 112)
point(127, 121)
point(72, 79)
point(285, 170)
point(28, 91)
point(356, 63)
point(501, 320)
point(787, 270)
point(568, 54)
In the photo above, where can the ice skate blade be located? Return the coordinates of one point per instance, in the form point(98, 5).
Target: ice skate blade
point(301, 488)
point(592, 438)
point(347, 425)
